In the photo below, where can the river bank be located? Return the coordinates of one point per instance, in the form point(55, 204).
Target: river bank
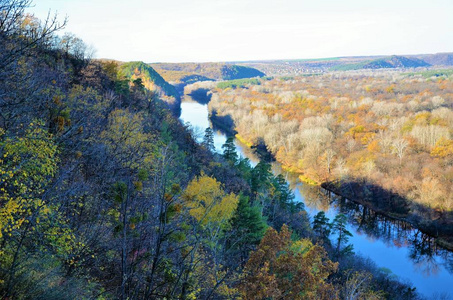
point(376, 198)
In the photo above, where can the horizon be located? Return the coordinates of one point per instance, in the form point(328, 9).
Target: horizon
point(198, 31)
point(278, 60)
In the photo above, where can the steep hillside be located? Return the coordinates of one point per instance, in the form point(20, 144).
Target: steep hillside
point(176, 72)
point(390, 62)
point(152, 81)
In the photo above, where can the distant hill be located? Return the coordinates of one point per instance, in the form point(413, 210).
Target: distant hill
point(180, 72)
point(438, 59)
point(298, 67)
point(152, 81)
point(393, 61)
point(230, 72)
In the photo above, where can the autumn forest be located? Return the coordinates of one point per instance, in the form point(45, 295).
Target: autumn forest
point(106, 194)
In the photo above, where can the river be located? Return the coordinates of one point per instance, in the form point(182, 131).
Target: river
point(393, 245)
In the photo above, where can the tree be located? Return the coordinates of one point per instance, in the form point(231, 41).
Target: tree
point(399, 148)
point(209, 204)
point(339, 227)
point(261, 178)
point(247, 227)
point(358, 287)
point(322, 227)
point(284, 269)
point(32, 230)
point(14, 23)
point(285, 195)
point(329, 155)
point(229, 151)
point(208, 139)
point(212, 209)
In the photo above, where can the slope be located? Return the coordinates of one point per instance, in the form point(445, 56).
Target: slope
point(151, 81)
point(390, 62)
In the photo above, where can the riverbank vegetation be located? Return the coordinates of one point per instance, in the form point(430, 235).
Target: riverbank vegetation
point(383, 138)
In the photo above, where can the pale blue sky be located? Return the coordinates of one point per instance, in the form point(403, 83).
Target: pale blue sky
point(227, 30)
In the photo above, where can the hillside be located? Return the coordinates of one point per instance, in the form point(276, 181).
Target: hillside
point(296, 67)
point(152, 81)
point(177, 72)
point(390, 62)
point(438, 59)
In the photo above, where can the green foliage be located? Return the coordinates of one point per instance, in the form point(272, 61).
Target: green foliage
point(238, 83)
point(208, 139)
point(339, 228)
point(26, 166)
point(387, 62)
point(261, 177)
point(433, 73)
point(247, 224)
point(283, 194)
point(322, 227)
point(230, 72)
point(149, 77)
point(229, 151)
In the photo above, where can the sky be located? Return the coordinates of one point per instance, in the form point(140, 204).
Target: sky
point(244, 30)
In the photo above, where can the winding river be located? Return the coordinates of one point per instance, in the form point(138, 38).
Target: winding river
point(393, 245)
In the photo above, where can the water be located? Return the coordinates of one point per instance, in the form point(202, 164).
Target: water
point(392, 245)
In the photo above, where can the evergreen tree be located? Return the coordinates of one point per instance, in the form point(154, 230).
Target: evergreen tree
point(284, 194)
point(339, 228)
point(208, 139)
point(248, 226)
point(322, 227)
point(229, 151)
point(261, 176)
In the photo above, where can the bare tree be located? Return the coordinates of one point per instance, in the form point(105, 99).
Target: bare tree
point(399, 148)
point(13, 21)
point(330, 154)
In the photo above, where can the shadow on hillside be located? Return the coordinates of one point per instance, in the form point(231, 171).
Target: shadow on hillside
point(223, 123)
point(202, 96)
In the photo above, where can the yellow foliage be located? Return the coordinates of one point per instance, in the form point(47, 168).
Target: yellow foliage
point(308, 180)
point(208, 202)
point(243, 140)
point(125, 136)
point(374, 147)
point(443, 148)
point(26, 165)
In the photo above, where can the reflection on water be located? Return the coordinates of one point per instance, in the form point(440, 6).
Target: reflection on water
point(392, 244)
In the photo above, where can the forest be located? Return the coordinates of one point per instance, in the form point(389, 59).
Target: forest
point(383, 138)
point(104, 194)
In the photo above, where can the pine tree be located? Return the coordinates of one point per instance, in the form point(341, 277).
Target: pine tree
point(208, 139)
point(339, 227)
point(229, 151)
point(248, 226)
point(322, 227)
